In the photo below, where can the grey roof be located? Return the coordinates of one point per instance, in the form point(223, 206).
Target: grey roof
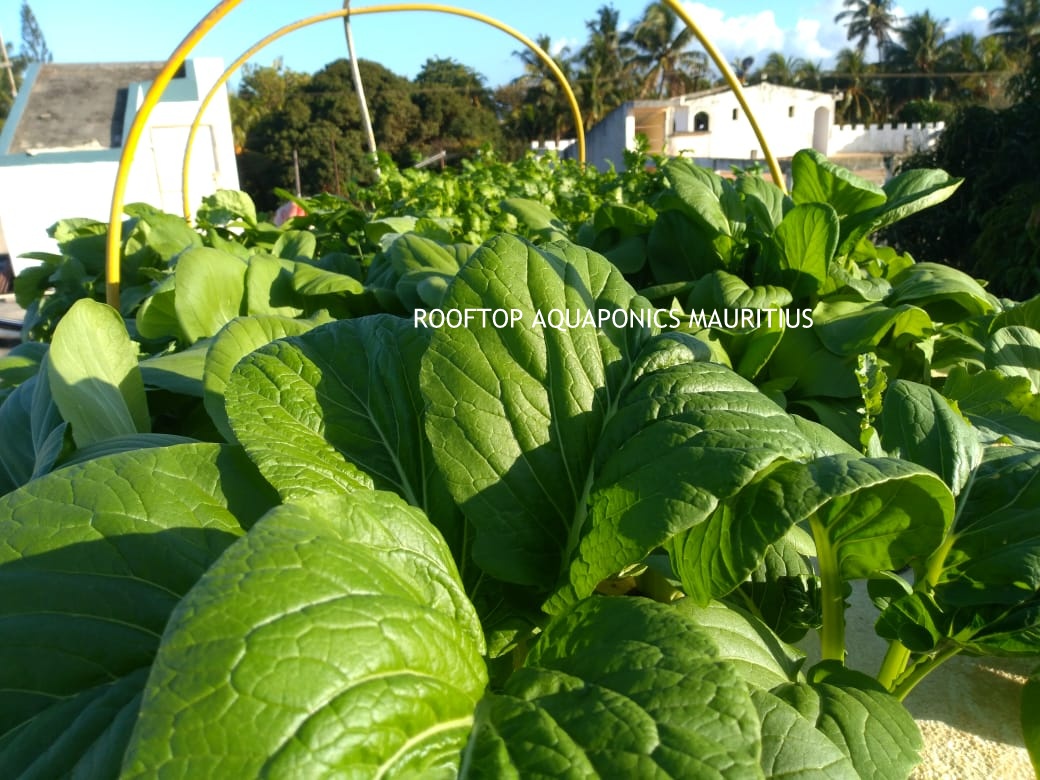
point(79, 106)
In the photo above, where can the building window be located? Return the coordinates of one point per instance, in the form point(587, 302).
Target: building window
point(790, 111)
point(700, 122)
point(736, 113)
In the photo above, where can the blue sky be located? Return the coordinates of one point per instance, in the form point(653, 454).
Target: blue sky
point(121, 30)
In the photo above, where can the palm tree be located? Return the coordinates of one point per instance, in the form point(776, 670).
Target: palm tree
point(869, 19)
point(852, 77)
point(920, 51)
point(545, 110)
point(780, 69)
point(605, 77)
point(741, 67)
point(809, 75)
point(663, 56)
point(986, 60)
point(1017, 23)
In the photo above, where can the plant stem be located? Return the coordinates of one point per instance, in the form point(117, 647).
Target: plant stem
point(897, 657)
point(922, 669)
point(894, 664)
point(832, 634)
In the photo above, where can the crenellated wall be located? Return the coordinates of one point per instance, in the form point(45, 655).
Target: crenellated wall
point(894, 138)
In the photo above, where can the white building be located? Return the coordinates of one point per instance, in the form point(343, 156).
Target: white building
point(711, 128)
point(60, 147)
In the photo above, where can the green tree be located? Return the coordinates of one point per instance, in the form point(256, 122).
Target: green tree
point(262, 91)
point(663, 55)
point(780, 69)
point(17, 65)
point(544, 111)
point(982, 65)
point(866, 19)
point(458, 110)
point(34, 45)
point(321, 121)
point(852, 76)
point(920, 50)
point(605, 77)
point(1017, 23)
point(809, 75)
point(991, 227)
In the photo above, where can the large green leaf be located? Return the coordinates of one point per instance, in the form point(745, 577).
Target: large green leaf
point(535, 217)
point(1003, 407)
point(995, 558)
point(33, 432)
point(679, 249)
point(700, 192)
point(947, 294)
point(210, 291)
point(905, 194)
point(618, 687)
point(867, 724)
point(876, 513)
point(793, 748)
point(234, 341)
point(852, 327)
point(418, 262)
point(919, 425)
point(514, 413)
point(338, 630)
point(1015, 351)
point(94, 376)
point(685, 440)
point(817, 180)
point(93, 560)
point(157, 315)
point(762, 660)
point(806, 240)
point(178, 372)
point(355, 400)
point(721, 290)
point(269, 287)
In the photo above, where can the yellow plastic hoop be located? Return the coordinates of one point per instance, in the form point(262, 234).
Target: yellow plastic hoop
point(340, 13)
point(180, 54)
point(734, 84)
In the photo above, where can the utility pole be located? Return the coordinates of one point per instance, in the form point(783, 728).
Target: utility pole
point(355, 72)
point(5, 63)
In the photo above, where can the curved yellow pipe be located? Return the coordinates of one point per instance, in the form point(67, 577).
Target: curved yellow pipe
point(133, 137)
point(734, 83)
point(112, 246)
point(375, 9)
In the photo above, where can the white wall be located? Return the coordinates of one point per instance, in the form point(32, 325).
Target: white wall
point(608, 139)
point(884, 139)
point(786, 116)
point(37, 191)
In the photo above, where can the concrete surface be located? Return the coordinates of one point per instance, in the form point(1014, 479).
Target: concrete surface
point(967, 709)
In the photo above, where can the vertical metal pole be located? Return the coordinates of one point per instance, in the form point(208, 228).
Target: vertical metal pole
point(355, 72)
point(296, 170)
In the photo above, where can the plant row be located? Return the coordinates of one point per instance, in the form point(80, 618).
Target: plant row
point(266, 493)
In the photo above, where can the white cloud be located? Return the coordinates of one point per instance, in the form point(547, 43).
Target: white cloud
point(738, 35)
point(815, 37)
point(807, 43)
point(558, 45)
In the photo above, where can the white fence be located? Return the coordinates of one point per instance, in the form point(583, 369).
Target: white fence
point(898, 138)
